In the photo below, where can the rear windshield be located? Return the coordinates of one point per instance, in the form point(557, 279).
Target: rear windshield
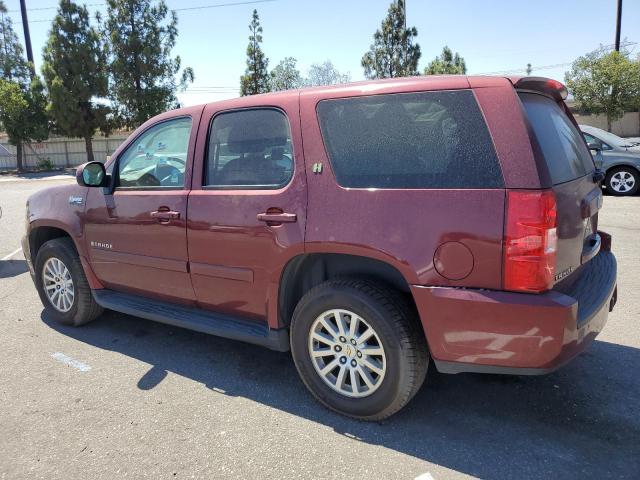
point(563, 148)
point(409, 140)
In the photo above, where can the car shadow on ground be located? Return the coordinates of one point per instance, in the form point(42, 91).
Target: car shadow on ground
point(580, 422)
point(12, 268)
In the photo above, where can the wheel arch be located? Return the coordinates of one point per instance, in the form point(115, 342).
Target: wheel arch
point(41, 234)
point(623, 164)
point(305, 271)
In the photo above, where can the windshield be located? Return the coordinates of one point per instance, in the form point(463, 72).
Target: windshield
point(607, 137)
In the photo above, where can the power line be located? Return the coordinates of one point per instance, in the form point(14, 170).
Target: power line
point(183, 9)
point(221, 5)
point(37, 9)
point(557, 65)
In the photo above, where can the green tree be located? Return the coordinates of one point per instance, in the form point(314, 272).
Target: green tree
point(13, 66)
point(393, 53)
point(22, 100)
point(255, 79)
point(22, 113)
point(446, 64)
point(285, 76)
point(75, 73)
point(604, 82)
point(325, 73)
point(143, 74)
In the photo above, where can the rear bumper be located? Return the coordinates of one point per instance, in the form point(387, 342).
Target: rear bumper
point(517, 333)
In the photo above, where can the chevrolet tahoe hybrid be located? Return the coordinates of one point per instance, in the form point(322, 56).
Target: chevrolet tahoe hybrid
point(371, 229)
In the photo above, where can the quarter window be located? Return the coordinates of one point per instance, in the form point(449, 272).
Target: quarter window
point(158, 157)
point(409, 140)
point(564, 152)
point(249, 149)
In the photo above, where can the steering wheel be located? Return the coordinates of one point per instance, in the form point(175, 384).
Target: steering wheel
point(168, 175)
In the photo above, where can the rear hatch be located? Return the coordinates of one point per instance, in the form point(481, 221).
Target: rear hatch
point(566, 166)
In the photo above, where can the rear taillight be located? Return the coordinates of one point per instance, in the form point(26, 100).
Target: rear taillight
point(530, 241)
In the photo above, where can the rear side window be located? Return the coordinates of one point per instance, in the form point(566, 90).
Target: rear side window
point(409, 140)
point(249, 149)
point(563, 148)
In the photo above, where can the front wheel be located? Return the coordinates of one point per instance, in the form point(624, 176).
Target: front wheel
point(358, 348)
point(62, 285)
point(622, 181)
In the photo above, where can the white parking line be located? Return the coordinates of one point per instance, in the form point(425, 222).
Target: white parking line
point(72, 362)
point(10, 255)
point(424, 476)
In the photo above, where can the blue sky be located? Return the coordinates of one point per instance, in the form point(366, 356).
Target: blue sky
point(493, 36)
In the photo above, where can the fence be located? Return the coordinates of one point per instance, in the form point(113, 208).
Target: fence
point(627, 126)
point(61, 152)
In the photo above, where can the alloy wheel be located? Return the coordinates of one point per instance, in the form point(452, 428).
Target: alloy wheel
point(347, 353)
point(58, 284)
point(622, 181)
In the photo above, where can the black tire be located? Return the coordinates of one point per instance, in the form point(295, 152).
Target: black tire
point(397, 326)
point(84, 308)
point(611, 177)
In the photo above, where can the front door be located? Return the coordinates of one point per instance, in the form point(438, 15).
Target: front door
point(246, 215)
point(136, 237)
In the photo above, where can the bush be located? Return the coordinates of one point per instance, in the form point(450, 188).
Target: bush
point(45, 164)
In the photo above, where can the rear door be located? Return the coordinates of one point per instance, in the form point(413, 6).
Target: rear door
point(247, 207)
point(566, 162)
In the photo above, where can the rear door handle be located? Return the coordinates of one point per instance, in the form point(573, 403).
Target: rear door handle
point(165, 216)
point(277, 218)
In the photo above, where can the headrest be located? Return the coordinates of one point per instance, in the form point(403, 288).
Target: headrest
point(253, 133)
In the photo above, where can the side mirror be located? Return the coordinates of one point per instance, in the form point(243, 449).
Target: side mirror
point(594, 146)
point(92, 174)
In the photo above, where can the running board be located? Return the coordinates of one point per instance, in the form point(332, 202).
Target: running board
point(193, 318)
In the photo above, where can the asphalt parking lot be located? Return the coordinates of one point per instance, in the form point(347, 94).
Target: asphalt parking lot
point(128, 398)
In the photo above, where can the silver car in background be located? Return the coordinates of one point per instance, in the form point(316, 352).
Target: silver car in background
point(618, 157)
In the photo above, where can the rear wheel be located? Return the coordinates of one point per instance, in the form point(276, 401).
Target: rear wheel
point(358, 348)
point(62, 285)
point(622, 181)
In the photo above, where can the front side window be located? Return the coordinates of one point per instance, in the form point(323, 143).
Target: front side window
point(409, 140)
point(249, 149)
point(590, 139)
point(158, 157)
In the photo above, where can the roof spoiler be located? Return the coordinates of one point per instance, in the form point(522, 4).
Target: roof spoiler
point(541, 84)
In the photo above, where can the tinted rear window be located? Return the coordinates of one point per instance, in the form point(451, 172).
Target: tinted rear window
point(412, 140)
point(563, 148)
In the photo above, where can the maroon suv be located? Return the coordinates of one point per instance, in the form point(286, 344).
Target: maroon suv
point(369, 228)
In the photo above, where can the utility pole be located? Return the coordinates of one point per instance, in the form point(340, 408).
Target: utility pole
point(618, 21)
point(404, 33)
point(27, 36)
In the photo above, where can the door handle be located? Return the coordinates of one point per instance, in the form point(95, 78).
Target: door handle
point(165, 216)
point(274, 219)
